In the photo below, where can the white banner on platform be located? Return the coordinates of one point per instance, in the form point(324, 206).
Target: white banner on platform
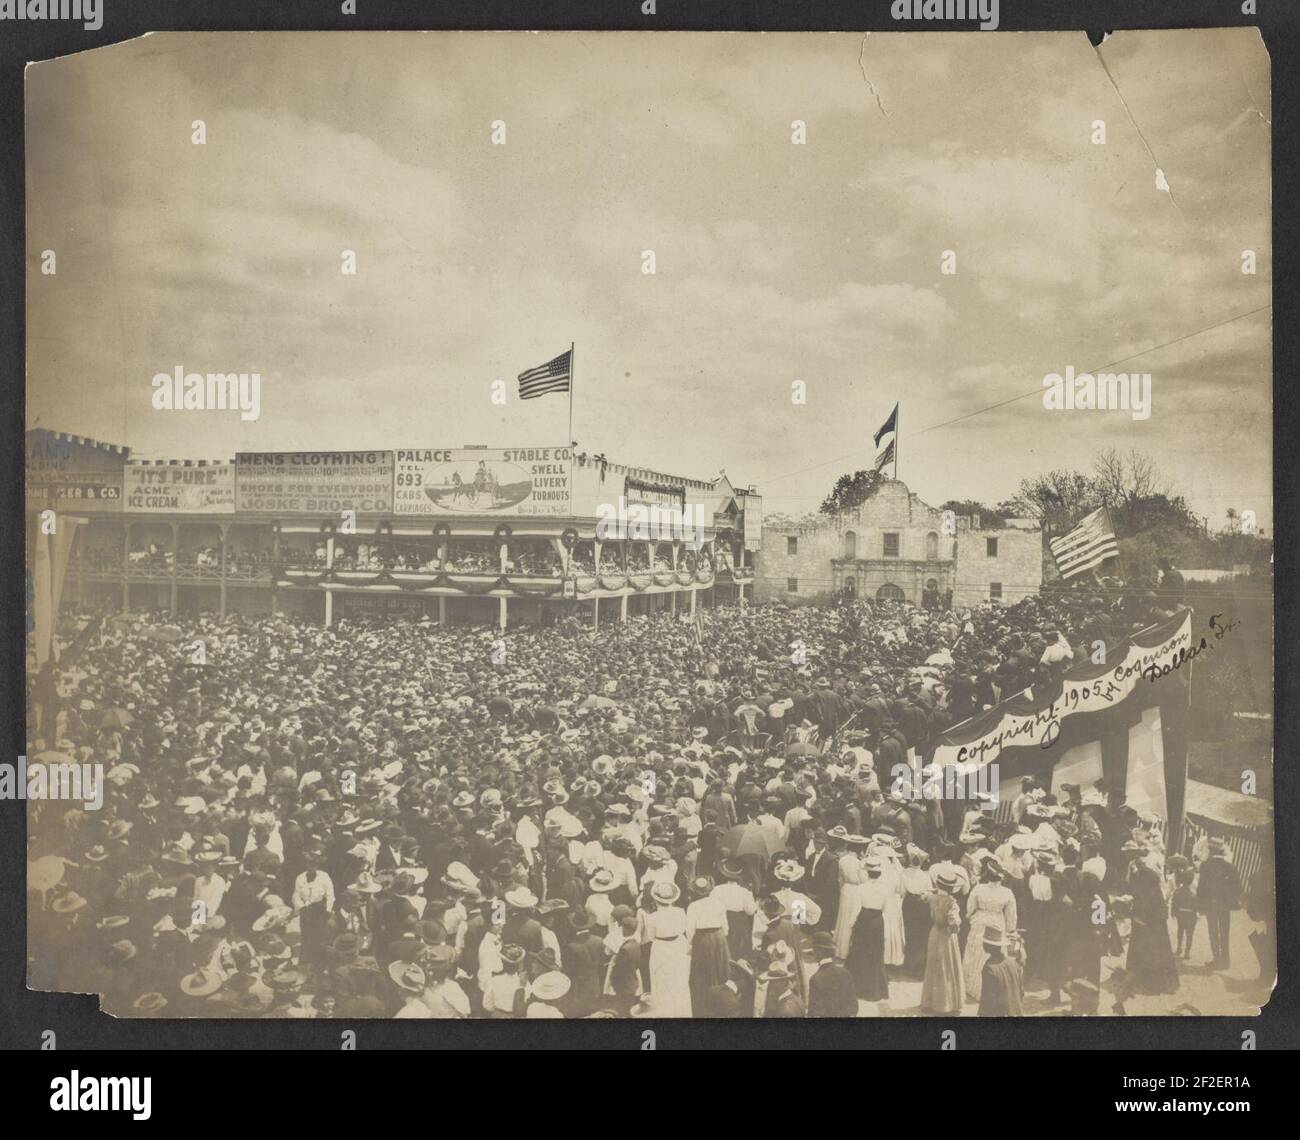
point(1140, 665)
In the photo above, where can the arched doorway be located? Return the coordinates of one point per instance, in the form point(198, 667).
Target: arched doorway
point(851, 587)
point(890, 593)
point(930, 597)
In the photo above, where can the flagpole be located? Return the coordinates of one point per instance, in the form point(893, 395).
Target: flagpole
point(898, 416)
point(573, 377)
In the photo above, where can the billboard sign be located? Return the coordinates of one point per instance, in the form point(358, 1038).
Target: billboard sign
point(201, 490)
point(513, 482)
point(314, 482)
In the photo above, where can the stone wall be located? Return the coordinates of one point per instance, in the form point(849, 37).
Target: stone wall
point(1017, 566)
point(945, 552)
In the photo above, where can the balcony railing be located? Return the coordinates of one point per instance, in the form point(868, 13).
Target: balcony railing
point(467, 581)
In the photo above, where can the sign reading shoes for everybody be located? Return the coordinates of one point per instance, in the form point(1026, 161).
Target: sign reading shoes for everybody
point(477, 481)
point(314, 482)
point(188, 489)
point(1026, 720)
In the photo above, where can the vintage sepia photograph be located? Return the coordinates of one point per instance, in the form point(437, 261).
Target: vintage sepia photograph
point(650, 525)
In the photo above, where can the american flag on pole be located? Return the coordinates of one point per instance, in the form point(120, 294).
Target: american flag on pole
point(886, 456)
point(553, 376)
point(1088, 545)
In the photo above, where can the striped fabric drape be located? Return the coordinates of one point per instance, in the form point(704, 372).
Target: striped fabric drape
point(1247, 844)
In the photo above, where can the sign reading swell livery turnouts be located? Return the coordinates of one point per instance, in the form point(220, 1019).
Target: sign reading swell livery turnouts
point(476, 481)
point(314, 482)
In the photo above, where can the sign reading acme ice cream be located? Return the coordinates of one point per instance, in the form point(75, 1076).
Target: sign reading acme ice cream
point(314, 482)
point(200, 490)
point(477, 481)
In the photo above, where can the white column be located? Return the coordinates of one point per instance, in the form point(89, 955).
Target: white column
point(329, 594)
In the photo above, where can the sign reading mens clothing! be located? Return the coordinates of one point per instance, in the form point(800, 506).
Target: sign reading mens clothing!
point(476, 481)
point(314, 482)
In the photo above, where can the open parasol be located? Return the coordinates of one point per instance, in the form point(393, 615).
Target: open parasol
point(750, 839)
point(116, 718)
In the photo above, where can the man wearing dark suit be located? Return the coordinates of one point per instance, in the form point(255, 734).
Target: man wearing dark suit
point(824, 879)
point(829, 708)
point(584, 962)
point(625, 970)
point(390, 856)
point(890, 752)
point(830, 989)
point(1218, 890)
point(874, 712)
point(961, 692)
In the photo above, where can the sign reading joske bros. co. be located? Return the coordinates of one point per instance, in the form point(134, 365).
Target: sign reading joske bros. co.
point(314, 482)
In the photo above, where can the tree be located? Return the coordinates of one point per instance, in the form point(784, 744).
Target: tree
point(1157, 513)
point(1059, 499)
point(1234, 524)
point(851, 491)
point(1125, 479)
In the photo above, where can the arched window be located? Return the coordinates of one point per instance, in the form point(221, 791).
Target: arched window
point(890, 593)
point(850, 544)
point(932, 546)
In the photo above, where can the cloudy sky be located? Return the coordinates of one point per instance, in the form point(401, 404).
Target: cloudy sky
point(775, 262)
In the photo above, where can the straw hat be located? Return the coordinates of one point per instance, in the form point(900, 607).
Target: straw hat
point(665, 894)
point(407, 976)
point(551, 986)
point(201, 983)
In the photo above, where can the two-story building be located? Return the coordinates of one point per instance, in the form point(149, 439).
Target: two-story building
point(471, 534)
point(894, 546)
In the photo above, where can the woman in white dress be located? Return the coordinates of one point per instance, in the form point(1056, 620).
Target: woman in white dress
point(851, 878)
point(669, 934)
point(991, 905)
point(891, 878)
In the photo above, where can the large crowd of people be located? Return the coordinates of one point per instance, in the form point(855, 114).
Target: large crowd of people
point(662, 818)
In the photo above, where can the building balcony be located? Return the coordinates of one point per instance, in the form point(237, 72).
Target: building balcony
point(467, 583)
point(161, 572)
